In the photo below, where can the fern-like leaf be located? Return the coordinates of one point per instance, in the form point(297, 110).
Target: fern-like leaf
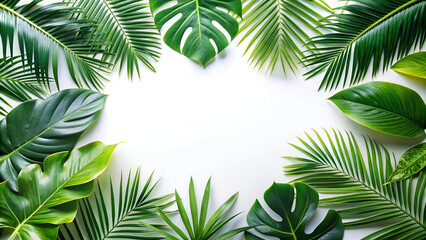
point(337, 166)
point(103, 216)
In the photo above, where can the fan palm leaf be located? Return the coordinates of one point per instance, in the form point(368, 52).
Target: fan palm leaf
point(277, 30)
point(368, 35)
point(106, 217)
point(127, 27)
point(17, 83)
point(359, 181)
point(42, 32)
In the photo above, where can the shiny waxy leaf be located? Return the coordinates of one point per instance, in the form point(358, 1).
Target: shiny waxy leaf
point(413, 65)
point(48, 198)
point(281, 198)
point(411, 162)
point(199, 16)
point(384, 107)
point(36, 129)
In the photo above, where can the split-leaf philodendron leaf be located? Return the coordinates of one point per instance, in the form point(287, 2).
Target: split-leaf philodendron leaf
point(281, 198)
point(413, 65)
point(36, 129)
point(385, 107)
point(411, 162)
point(48, 198)
point(198, 15)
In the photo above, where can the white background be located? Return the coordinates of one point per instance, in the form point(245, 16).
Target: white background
point(227, 121)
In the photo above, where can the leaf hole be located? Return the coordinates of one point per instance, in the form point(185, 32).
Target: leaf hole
point(166, 5)
point(185, 37)
point(169, 23)
point(223, 30)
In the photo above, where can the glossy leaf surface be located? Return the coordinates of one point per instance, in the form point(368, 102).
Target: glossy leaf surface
point(48, 198)
point(413, 65)
point(198, 15)
point(411, 162)
point(281, 198)
point(36, 129)
point(384, 107)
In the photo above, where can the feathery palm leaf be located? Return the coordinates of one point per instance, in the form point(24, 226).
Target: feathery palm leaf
point(277, 30)
point(42, 32)
point(338, 167)
point(127, 27)
point(120, 218)
point(17, 82)
point(368, 32)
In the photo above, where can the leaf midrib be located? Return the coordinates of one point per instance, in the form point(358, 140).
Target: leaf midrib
point(34, 25)
point(387, 16)
point(378, 108)
point(378, 193)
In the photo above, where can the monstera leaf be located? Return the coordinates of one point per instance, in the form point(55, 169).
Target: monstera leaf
point(385, 107)
point(199, 16)
point(36, 129)
point(280, 198)
point(47, 199)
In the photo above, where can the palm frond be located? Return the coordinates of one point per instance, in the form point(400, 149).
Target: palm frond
point(359, 181)
point(128, 28)
point(17, 82)
point(277, 30)
point(369, 34)
point(42, 31)
point(103, 216)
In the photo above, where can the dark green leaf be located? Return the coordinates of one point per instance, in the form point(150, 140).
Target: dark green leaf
point(411, 162)
point(281, 198)
point(47, 199)
point(36, 129)
point(198, 15)
point(384, 107)
point(413, 65)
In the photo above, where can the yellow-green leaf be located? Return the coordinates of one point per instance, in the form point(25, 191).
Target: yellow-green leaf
point(413, 65)
point(411, 162)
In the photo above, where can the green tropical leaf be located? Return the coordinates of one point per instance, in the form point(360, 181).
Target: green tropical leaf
point(42, 32)
point(411, 162)
point(413, 65)
point(277, 30)
point(280, 198)
point(384, 107)
point(201, 227)
point(199, 16)
point(108, 216)
point(368, 36)
point(17, 82)
point(36, 129)
point(127, 27)
point(47, 199)
point(337, 166)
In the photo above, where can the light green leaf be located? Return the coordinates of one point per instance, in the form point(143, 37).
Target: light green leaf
point(413, 65)
point(384, 107)
point(36, 129)
point(281, 198)
point(48, 198)
point(411, 162)
point(199, 16)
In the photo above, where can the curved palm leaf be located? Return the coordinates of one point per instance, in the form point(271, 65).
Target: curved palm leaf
point(127, 27)
point(199, 16)
point(277, 30)
point(338, 167)
point(45, 30)
point(97, 219)
point(17, 82)
point(369, 32)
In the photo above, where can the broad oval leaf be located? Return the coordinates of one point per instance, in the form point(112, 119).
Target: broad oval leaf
point(413, 65)
point(280, 198)
point(47, 199)
point(385, 107)
point(36, 129)
point(411, 162)
point(198, 15)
